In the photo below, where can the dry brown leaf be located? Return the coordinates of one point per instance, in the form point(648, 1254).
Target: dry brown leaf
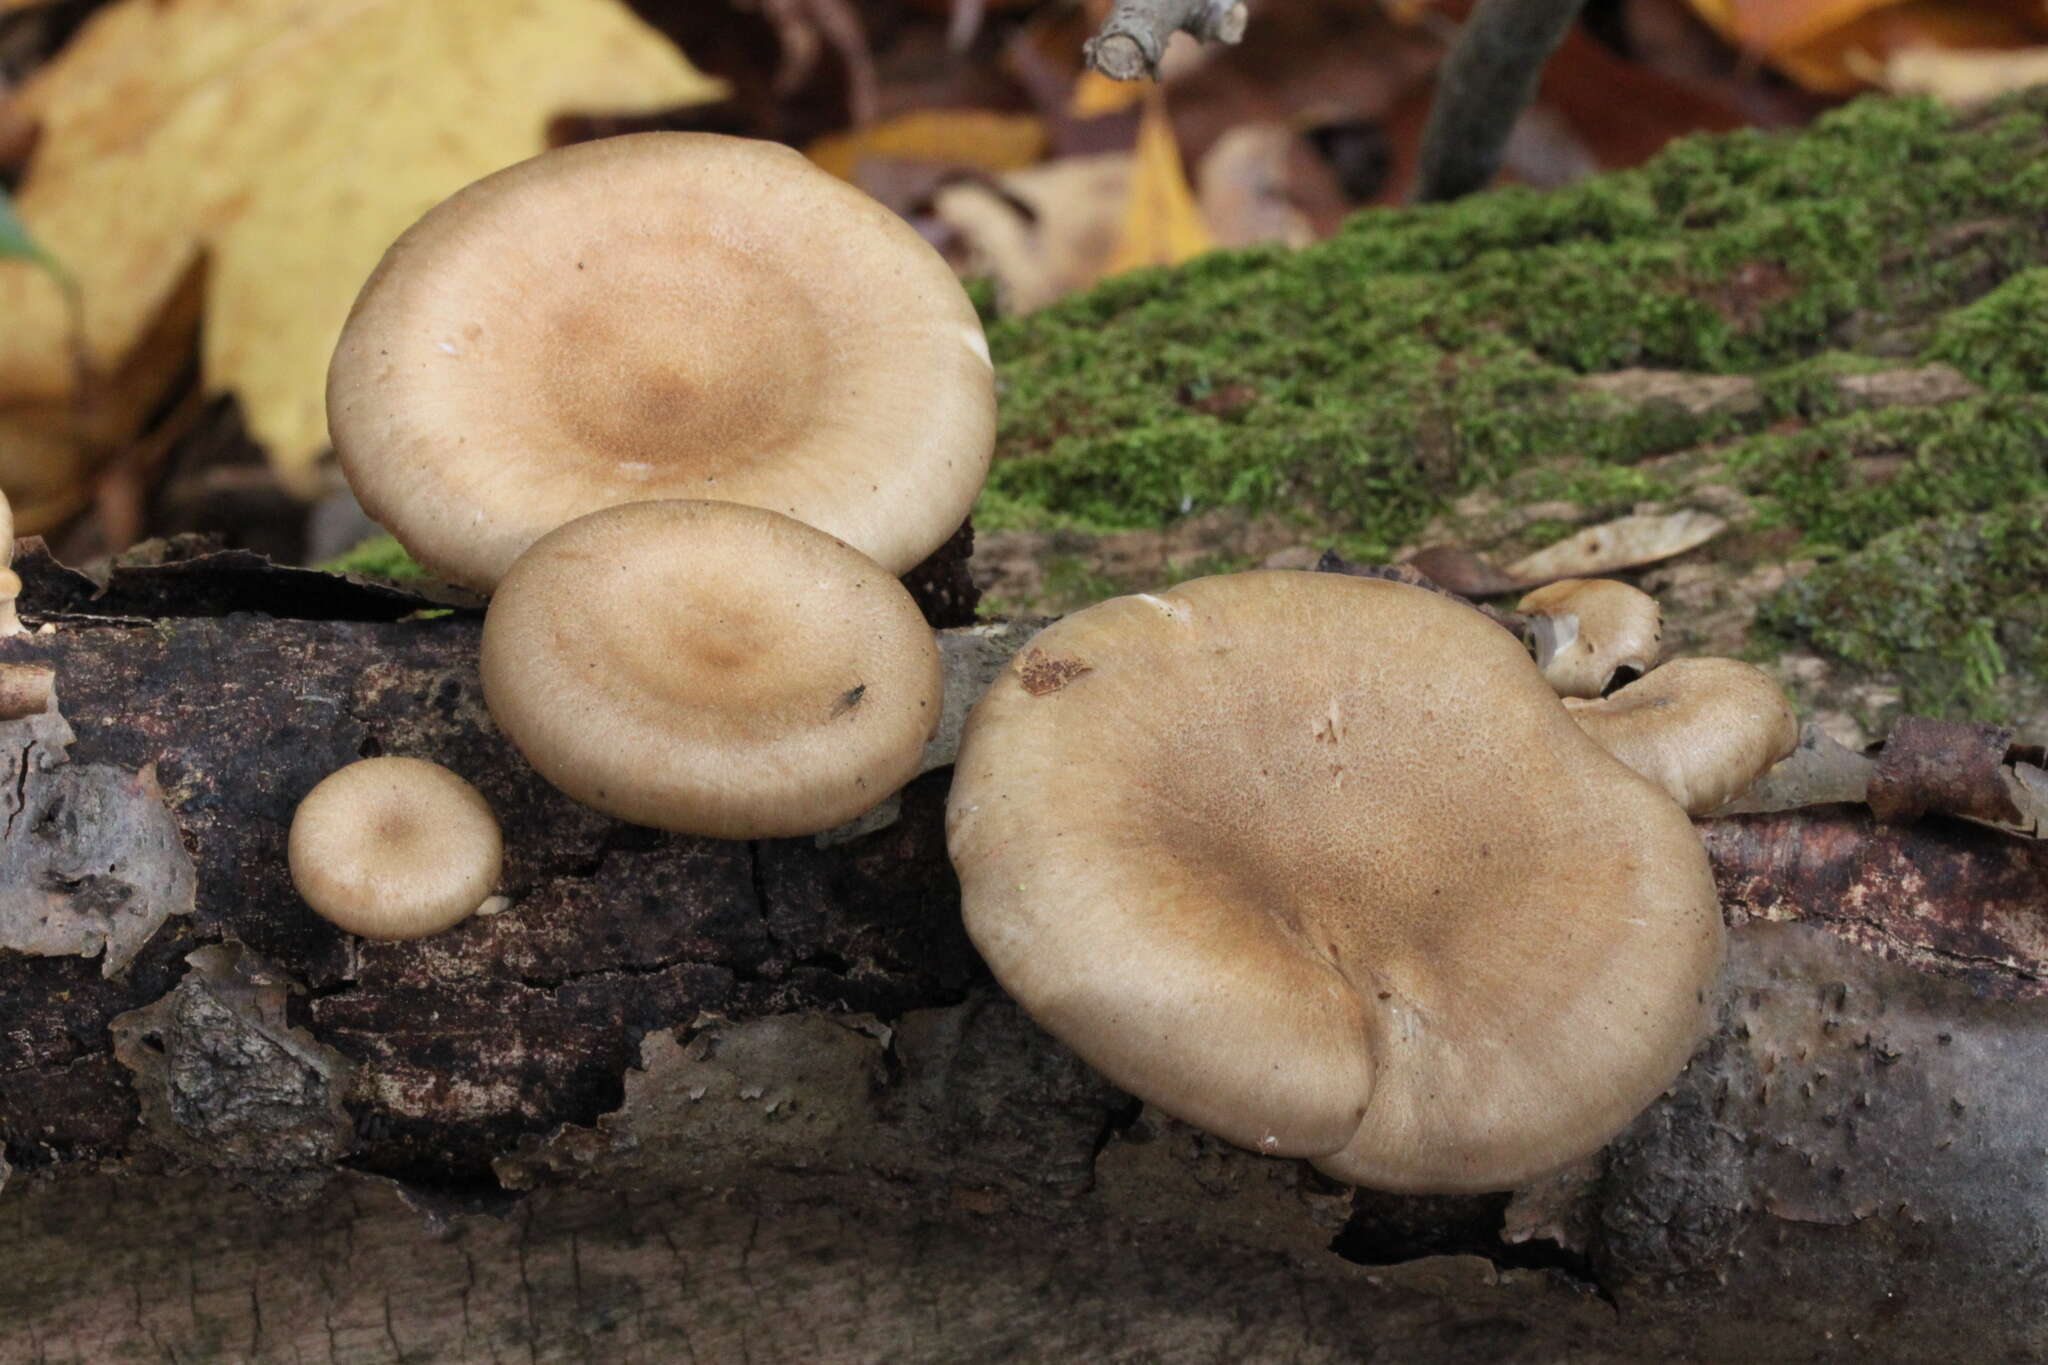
point(1620, 544)
point(1161, 224)
point(1245, 191)
point(284, 145)
point(1626, 543)
point(1098, 96)
point(1464, 572)
point(1961, 77)
point(979, 138)
point(1775, 27)
point(1839, 46)
point(1044, 232)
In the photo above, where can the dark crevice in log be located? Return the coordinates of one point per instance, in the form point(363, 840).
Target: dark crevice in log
point(1389, 1229)
point(192, 576)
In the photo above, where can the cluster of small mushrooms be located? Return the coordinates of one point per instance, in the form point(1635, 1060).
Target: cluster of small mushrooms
point(686, 407)
point(1327, 865)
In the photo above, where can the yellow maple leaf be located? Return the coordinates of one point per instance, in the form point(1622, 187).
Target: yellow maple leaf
point(1098, 96)
point(1839, 46)
point(965, 137)
point(280, 145)
point(1775, 27)
point(1161, 225)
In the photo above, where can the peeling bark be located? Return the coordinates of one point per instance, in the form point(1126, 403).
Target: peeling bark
point(90, 861)
point(686, 1095)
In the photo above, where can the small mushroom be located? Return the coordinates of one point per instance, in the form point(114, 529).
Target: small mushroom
point(711, 668)
point(1319, 864)
point(10, 593)
point(664, 315)
point(1587, 630)
point(1702, 729)
point(10, 581)
point(395, 848)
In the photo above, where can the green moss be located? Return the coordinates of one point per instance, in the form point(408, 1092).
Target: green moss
point(378, 557)
point(1849, 480)
point(1954, 607)
point(1072, 582)
point(1362, 384)
point(2001, 340)
point(1600, 490)
point(1425, 352)
point(981, 292)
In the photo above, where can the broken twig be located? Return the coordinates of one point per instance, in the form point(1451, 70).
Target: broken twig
point(1134, 37)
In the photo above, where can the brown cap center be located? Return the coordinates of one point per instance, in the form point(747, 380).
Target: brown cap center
point(657, 348)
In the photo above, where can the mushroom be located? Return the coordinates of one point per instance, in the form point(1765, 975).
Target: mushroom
point(1702, 729)
point(1319, 864)
point(10, 581)
point(664, 315)
point(10, 593)
point(1588, 629)
point(395, 848)
point(711, 668)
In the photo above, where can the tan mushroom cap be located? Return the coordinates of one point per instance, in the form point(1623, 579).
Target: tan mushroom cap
point(395, 848)
point(1588, 629)
point(711, 668)
point(1320, 864)
point(1702, 729)
point(665, 315)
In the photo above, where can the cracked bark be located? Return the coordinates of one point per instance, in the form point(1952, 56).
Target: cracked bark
point(697, 1097)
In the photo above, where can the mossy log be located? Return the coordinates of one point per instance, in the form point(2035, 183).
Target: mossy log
point(691, 1100)
point(1837, 341)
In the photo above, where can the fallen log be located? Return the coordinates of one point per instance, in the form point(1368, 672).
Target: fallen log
point(690, 1097)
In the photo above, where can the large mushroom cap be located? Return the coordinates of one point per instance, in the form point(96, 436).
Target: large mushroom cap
point(711, 668)
point(395, 848)
point(1320, 864)
point(666, 315)
point(1702, 729)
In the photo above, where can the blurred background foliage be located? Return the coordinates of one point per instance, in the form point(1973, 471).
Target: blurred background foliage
point(194, 190)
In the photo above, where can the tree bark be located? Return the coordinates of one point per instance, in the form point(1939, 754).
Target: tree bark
point(761, 1100)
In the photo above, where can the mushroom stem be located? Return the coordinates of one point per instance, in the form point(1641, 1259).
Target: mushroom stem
point(10, 590)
